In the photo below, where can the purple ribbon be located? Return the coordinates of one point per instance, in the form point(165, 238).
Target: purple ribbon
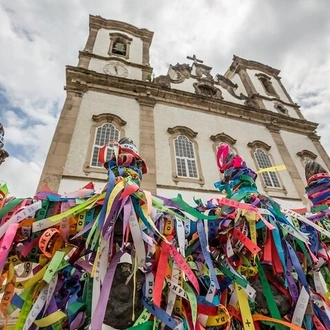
point(100, 310)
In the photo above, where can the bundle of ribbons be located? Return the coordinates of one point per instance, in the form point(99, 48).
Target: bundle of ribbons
point(130, 259)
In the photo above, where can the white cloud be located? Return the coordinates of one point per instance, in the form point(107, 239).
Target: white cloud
point(38, 38)
point(21, 177)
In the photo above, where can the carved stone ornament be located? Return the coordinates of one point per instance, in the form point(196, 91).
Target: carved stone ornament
point(202, 88)
point(225, 83)
point(183, 70)
point(163, 81)
point(231, 88)
point(203, 71)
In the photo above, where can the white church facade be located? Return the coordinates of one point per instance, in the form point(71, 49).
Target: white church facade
point(177, 120)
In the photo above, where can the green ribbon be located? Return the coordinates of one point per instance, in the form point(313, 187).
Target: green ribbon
point(193, 212)
point(239, 280)
point(27, 305)
point(274, 311)
point(143, 326)
point(10, 206)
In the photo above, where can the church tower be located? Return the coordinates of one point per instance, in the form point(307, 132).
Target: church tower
point(106, 100)
point(177, 120)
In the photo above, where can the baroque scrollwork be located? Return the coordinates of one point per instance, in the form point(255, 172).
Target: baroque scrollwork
point(202, 88)
point(231, 88)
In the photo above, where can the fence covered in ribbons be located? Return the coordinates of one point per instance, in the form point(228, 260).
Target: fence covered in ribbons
point(130, 259)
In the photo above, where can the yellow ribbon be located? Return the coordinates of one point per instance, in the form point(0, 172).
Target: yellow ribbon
point(50, 319)
point(244, 308)
point(272, 169)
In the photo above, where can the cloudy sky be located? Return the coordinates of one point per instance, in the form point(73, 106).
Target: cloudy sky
point(38, 38)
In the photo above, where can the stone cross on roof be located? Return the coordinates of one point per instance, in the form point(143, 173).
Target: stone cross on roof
point(194, 58)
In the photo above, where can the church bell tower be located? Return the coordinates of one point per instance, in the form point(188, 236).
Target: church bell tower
point(100, 104)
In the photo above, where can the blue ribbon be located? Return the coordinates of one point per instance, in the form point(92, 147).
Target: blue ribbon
point(206, 253)
point(159, 313)
point(297, 266)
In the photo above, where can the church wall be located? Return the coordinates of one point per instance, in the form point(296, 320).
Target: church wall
point(296, 143)
point(94, 103)
point(102, 43)
point(229, 98)
point(70, 185)
point(98, 65)
point(258, 86)
point(237, 80)
point(269, 105)
point(186, 85)
point(206, 125)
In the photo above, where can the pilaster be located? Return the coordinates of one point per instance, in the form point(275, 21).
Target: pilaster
point(250, 89)
point(147, 147)
point(91, 39)
point(316, 141)
point(59, 148)
point(288, 161)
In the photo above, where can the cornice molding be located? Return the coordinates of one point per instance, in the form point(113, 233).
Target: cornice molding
point(109, 117)
point(293, 105)
point(182, 130)
point(259, 144)
point(273, 127)
point(122, 35)
point(80, 80)
point(98, 22)
point(314, 137)
point(239, 63)
point(146, 101)
point(223, 137)
point(306, 153)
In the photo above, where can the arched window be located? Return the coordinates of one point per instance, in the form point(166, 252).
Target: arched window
point(186, 165)
point(266, 82)
point(207, 90)
point(104, 134)
point(185, 157)
point(263, 160)
point(280, 109)
point(119, 45)
point(107, 127)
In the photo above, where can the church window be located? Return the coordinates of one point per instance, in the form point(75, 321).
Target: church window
point(280, 109)
point(119, 45)
point(266, 82)
point(263, 159)
point(107, 127)
point(103, 135)
point(207, 90)
point(186, 165)
point(185, 157)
